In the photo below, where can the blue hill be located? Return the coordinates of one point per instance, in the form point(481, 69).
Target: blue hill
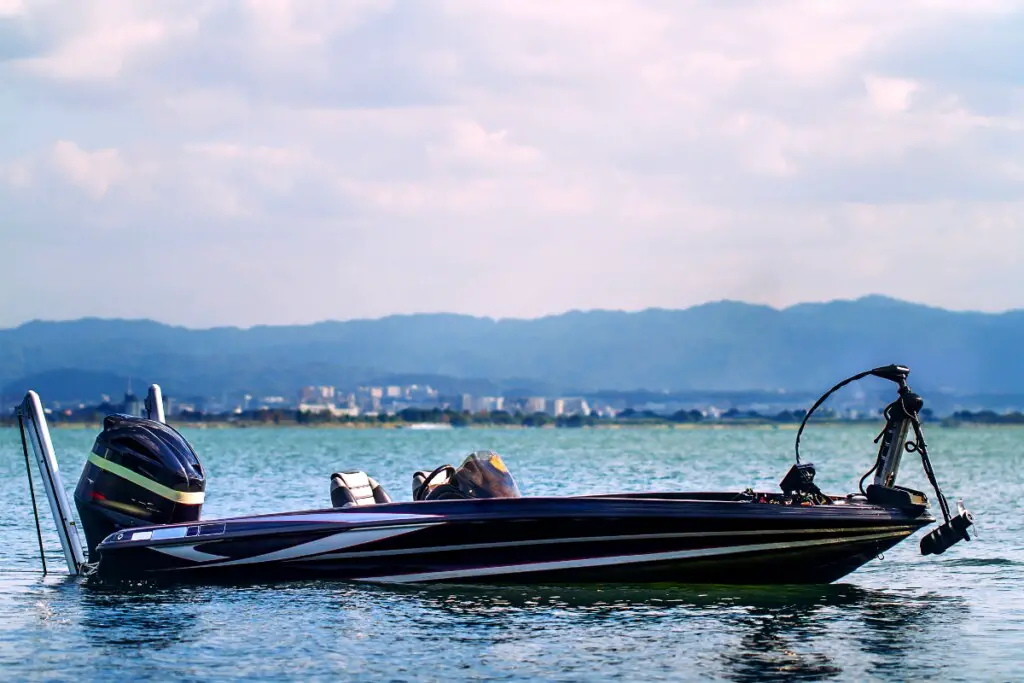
point(726, 345)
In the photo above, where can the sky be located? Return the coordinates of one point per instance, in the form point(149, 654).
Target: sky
point(267, 162)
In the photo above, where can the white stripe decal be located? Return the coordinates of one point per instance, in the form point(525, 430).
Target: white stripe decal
point(620, 559)
point(343, 539)
point(187, 552)
point(347, 517)
point(602, 539)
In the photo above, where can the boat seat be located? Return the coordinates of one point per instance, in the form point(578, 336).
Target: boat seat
point(356, 488)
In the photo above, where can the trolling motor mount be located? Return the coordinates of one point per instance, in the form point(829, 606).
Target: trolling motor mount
point(901, 416)
point(799, 479)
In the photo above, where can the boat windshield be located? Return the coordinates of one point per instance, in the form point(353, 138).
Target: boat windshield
point(483, 475)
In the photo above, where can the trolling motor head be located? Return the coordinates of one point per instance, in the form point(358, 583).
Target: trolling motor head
point(140, 472)
point(893, 373)
point(901, 416)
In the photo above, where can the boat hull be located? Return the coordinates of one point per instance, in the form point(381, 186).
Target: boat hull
point(653, 538)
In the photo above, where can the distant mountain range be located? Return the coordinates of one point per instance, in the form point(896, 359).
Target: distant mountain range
point(723, 346)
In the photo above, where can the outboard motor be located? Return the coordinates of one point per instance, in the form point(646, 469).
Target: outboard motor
point(140, 473)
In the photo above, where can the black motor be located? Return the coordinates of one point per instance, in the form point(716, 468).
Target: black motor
point(140, 473)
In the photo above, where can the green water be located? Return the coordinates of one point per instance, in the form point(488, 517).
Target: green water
point(903, 617)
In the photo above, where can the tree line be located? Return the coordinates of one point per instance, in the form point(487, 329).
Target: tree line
point(456, 418)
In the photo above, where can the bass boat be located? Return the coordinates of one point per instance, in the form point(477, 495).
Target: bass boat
point(141, 492)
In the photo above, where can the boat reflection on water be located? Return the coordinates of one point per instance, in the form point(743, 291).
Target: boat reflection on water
point(152, 617)
point(876, 633)
point(737, 633)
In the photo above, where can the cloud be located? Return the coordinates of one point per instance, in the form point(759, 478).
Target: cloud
point(293, 161)
point(93, 172)
point(11, 8)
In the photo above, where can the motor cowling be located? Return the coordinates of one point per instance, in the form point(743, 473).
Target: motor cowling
point(140, 473)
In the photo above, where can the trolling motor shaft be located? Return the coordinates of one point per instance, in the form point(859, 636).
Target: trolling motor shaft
point(894, 437)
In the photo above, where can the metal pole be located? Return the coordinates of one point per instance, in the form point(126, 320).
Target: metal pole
point(46, 461)
point(31, 489)
point(155, 404)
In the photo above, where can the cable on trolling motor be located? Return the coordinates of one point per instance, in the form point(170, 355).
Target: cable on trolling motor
point(887, 414)
point(823, 398)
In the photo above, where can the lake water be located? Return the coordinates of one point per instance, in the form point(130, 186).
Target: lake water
point(904, 617)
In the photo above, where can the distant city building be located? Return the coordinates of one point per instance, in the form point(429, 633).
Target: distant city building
point(420, 391)
point(493, 403)
point(316, 394)
point(315, 408)
point(570, 406)
point(534, 404)
point(347, 410)
point(481, 404)
point(132, 405)
point(350, 410)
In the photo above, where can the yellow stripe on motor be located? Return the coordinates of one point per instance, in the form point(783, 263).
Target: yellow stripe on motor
point(186, 497)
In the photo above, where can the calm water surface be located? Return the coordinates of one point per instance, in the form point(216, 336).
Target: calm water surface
point(903, 617)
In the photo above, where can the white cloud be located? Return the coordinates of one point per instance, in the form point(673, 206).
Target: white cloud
point(101, 40)
point(16, 174)
point(471, 144)
point(890, 95)
point(571, 155)
point(93, 171)
point(11, 8)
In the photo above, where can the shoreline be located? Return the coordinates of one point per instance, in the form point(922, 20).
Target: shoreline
point(435, 427)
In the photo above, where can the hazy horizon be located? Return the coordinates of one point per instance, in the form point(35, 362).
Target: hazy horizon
point(269, 163)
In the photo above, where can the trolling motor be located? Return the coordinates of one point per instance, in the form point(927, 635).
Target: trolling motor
point(901, 416)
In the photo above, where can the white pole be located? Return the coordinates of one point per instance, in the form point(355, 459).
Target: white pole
point(155, 404)
point(42, 447)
